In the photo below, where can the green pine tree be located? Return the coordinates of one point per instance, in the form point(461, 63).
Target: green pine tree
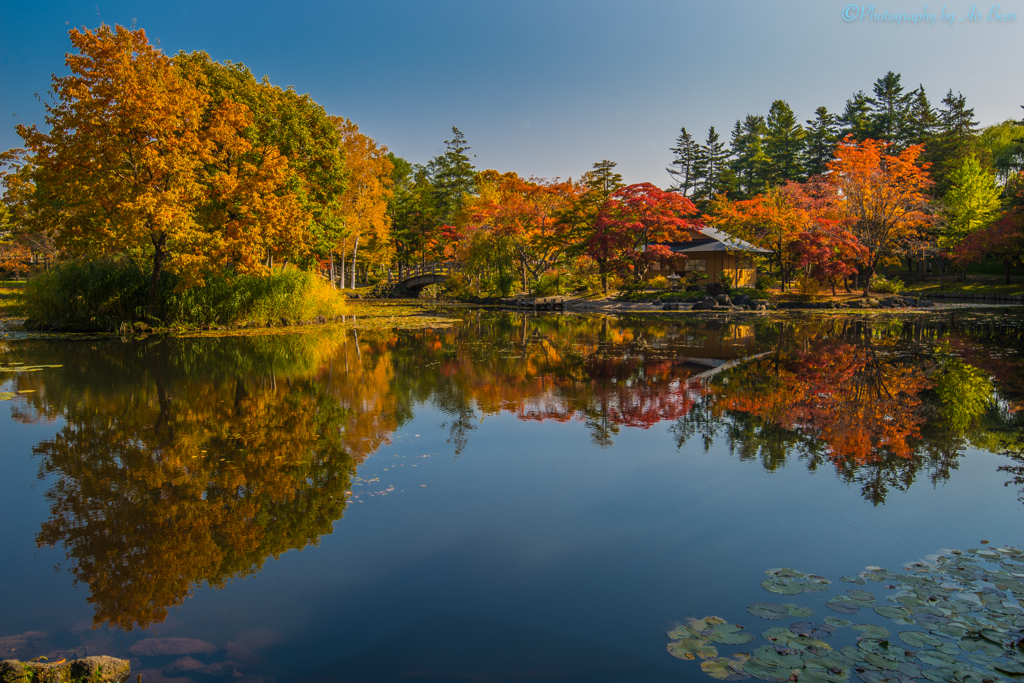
point(750, 164)
point(856, 118)
point(453, 177)
point(822, 137)
point(890, 112)
point(684, 165)
point(785, 144)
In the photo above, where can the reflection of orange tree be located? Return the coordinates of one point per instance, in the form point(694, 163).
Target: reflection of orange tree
point(180, 474)
point(861, 403)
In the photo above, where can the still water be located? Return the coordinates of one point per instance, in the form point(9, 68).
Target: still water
point(511, 498)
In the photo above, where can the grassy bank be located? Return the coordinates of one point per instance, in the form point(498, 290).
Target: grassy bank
point(10, 298)
point(103, 296)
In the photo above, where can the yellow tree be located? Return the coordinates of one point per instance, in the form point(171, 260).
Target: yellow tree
point(364, 203)
point(141, 162)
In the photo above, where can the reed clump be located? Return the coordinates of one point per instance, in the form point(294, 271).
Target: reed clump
point(106, 295)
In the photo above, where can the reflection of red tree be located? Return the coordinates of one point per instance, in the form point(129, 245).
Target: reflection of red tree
point(859, 403)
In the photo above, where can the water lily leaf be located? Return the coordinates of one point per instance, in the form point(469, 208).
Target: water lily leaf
point(759, 670)
point(909, 669)
point(730, 634)
point(726, 669)
point(883, 677)
point(841, 606)
point(837, 622)
point(943, 674)
point(771, 656)
point(891, 612)
point(881, 662)
point(783, 586)
point(779, 635)
point(935, 658)
point(1015, 669)
point(806, 628)
point(950, 649)
point(6, 395)
point(971, 644)
point(824, 669)
point(860, 595)
point(854, 653)
point(954, 630)
point(804, 642)
point(768, 610)
point(691, 648)
point(919, 640)
point(853, 579)
point(871, 631)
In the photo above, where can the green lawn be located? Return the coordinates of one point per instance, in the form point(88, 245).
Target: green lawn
point(972, 285)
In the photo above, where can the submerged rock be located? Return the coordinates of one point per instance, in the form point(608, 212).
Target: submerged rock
point(164, 647)
point(92, 669)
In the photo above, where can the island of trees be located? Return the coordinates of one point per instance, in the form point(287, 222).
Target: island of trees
point(179, 188)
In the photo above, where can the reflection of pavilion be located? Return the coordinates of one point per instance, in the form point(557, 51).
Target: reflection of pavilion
point(715, 341)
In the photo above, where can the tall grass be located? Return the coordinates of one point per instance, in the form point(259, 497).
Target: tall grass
point(101, 295)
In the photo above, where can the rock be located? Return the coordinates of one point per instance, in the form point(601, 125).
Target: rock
point(705, 304)
point(164, 647)
point(723, 299)
point(92, 669)
point(221, 670)
point(354, 295)
point(693, 288)
point(182, 665)
point(26, 643)
point(320, 319)
point(926, 303)
point(715, 288)
point(285, 322)
point(762, 307)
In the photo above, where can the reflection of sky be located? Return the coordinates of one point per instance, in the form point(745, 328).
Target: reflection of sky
point(544, 88)
point(534, 548)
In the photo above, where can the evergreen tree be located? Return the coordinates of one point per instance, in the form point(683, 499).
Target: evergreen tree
point(856, 118)
point(822, 137)
point(453, 177)
point(713, 168)
point(922, 121)
point(785, 144)
point(956, 140)
point(890, 112)
point(683, 167)
point(603, 179)
point(750, 164)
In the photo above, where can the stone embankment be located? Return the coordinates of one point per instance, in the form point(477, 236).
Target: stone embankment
point(87, 670)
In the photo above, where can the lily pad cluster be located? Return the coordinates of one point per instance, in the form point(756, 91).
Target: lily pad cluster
point(954, 619)
point(20, 367)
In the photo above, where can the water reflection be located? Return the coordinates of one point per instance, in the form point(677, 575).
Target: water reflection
point(189, 461)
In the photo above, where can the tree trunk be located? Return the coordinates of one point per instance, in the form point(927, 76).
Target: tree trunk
point(868, 272)
point(355, 254)
point(1006, 269)
point(341, 253)
point(159, 256)
point(333, 284)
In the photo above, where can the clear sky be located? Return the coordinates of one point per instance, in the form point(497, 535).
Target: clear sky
point(547, 88)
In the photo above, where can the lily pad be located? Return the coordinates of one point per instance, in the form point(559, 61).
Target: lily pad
point(774, 612)
point(771, 656)
point(730, 634)
point(726, 669)
point(779, 635)
point(806, 628)
point(692, 648)
point(837, 622)
point(880, 662)
point(871, 631)
point(883, 677)
point(842, 606)
point(919, 640)
point(934, 658)
point(970, 644)
point(860, 596)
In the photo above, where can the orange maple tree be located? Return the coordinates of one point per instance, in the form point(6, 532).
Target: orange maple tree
point(884, 195)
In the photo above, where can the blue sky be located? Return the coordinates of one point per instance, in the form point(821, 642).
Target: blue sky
point(548, 88)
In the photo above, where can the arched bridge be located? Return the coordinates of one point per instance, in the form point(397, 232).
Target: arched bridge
point(415, 277)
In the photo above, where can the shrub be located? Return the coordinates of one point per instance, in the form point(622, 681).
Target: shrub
point(659, 282)
point(103, 294)
point(882, 286)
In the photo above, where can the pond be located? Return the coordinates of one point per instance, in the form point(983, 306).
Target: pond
point(521, 498)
